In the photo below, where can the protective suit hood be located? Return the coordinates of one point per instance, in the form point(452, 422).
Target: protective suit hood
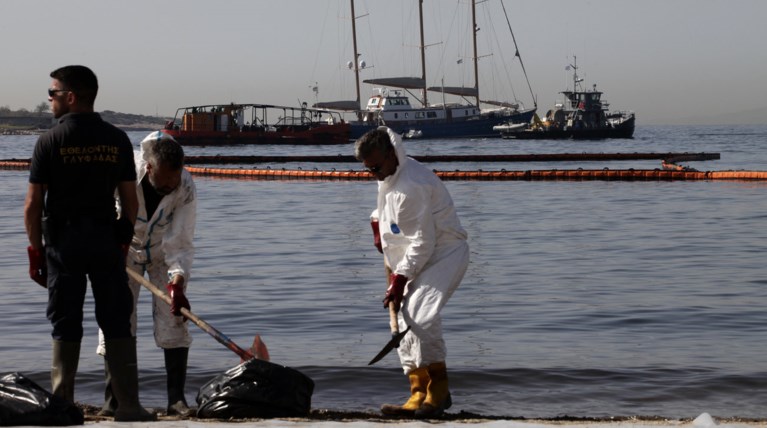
point(399, 150)
point(141, 158)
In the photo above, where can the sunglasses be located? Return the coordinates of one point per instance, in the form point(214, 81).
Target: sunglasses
point(377, 168)
point(53, 92)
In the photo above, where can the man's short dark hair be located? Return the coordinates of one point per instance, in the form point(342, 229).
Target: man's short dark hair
point(79, 79)
point(375, 140)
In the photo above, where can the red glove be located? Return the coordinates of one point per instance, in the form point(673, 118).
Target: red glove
point(395, 291)
point(376, 235)
point(178, 299)
point(38, 266)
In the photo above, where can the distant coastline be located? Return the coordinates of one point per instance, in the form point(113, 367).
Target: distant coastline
point(38, 131)
point(25, 123)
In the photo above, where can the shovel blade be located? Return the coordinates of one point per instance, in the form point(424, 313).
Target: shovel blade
point(258, 350)
point(393, 343)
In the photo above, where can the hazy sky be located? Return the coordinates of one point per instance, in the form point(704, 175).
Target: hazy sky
point(667, 60)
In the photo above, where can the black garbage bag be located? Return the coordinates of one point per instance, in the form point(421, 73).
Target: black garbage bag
point(256, 389)
point(23, 402)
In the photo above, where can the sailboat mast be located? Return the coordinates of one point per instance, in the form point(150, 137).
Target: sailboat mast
point(356, 55)
point(476, 56)
point(424, 101)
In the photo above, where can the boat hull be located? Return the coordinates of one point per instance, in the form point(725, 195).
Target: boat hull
point(623, 130)
point(320, 135)
point(480, 127)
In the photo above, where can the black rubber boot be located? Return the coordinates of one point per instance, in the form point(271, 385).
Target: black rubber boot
point(121, 360)
point(66, 356)
point(110, 402)
point(175, 368)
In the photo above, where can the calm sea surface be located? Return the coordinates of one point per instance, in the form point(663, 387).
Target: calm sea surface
point(587, 299)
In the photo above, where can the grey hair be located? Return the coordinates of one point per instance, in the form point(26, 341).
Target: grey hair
point(165, 152)
point(375, 140)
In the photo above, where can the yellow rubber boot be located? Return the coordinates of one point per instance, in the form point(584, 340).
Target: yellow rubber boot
point(437, 393)
point(419, 379)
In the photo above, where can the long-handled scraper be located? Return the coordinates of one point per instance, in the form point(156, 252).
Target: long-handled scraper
point(258, 350)
point(396, 335)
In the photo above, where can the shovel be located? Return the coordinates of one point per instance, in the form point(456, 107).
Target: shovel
point(258, 350)
point(396, 336)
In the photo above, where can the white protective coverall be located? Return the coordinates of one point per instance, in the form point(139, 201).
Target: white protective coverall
point(162, 247)
point(423, 240)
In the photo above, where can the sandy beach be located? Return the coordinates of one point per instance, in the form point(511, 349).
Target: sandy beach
point(331, 418)
point(335, 419)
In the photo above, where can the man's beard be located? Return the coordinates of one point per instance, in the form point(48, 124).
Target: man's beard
point(159, 190)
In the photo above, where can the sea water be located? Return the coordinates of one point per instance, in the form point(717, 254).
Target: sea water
point(582, 298)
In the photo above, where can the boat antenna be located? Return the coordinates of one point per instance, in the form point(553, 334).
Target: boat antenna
point(516, 53)
point(576, 80)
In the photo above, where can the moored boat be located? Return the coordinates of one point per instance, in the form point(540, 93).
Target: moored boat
point(582, 115)
point(390, 106)
point(233, 124)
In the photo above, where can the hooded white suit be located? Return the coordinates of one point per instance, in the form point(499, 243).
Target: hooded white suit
point(162, 247)
point(423, 240)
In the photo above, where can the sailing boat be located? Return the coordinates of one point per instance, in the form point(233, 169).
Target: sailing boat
point(390, 106)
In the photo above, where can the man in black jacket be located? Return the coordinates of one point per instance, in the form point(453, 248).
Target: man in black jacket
point(76, 168)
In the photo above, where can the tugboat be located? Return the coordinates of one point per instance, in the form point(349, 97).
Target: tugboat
point(583, 115)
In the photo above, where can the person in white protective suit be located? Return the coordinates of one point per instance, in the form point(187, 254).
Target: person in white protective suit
point(162, 249)
point(416, 227)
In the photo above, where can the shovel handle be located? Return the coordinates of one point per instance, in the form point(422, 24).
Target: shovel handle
point(393, 309)
point(393, 324)
point(220, 337)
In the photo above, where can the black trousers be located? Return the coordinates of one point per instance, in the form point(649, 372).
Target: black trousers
point(77, 251)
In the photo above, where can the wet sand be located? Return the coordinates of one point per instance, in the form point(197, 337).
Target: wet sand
point(330, 418)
